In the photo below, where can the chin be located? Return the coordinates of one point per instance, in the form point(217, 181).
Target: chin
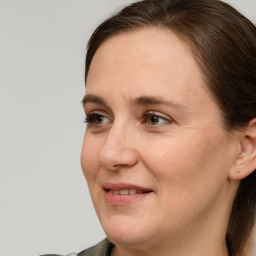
point(130, 232)
point(132, 240)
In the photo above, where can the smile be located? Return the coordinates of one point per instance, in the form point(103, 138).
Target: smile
point(131, 191)
point(124, 194)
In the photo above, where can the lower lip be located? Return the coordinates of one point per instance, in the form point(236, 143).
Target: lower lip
point(119, 200)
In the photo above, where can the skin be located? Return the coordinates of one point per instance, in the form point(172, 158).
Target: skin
point(185, 157)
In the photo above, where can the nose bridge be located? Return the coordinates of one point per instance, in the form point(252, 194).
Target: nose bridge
point(119, 148)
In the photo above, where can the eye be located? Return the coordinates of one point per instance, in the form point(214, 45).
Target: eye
point(96, 119)
point(154, 119)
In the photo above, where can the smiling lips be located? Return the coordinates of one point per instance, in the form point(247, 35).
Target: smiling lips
point(131, 191)
point(123, 194)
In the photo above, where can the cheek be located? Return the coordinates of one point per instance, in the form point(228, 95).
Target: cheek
point(89, 159)
point(191, 177)
point(189, 165)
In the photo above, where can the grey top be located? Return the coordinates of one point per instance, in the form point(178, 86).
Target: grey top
point(103, 248)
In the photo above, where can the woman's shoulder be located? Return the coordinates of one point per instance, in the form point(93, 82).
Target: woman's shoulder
point(70, 254)
point(103, 248)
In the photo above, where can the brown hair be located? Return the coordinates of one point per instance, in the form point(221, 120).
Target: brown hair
point(223, 42)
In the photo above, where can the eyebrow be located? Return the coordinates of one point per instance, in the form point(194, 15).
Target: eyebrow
point(139, 101)
point(93, 99)
point(158, 100)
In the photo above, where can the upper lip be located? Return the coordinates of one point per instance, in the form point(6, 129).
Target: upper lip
point(121, 186)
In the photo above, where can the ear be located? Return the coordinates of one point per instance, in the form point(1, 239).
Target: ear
point(245, 162)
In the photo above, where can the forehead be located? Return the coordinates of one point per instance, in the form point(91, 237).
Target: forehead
point(148, 46)
point(146, 61)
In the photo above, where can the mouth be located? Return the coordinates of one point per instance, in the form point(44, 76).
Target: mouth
point(123, 194)
point(127, 191)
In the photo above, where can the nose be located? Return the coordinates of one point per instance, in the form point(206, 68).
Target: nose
point(119, 149)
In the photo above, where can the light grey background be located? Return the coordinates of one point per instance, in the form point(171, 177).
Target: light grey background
point(44, 201)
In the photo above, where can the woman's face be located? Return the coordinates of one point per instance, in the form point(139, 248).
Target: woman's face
point(155, 154)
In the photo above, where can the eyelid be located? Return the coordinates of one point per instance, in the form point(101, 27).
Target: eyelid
point(90, 107)
point(158, 114)
point(89, 118)
point(98, 112)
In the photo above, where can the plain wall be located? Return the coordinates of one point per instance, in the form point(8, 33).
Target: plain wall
point(44, 201)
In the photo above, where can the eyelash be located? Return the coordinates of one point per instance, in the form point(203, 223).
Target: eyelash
point(90, 119)
point(151, 114)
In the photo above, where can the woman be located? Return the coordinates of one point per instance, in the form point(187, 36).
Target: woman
point(170, 148)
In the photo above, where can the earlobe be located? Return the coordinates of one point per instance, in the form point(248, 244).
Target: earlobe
point(245, 162)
